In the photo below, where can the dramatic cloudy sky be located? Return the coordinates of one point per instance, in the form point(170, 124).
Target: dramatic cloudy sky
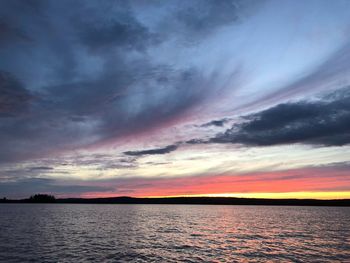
point(163, 98)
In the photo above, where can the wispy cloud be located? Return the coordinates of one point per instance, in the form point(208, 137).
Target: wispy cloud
point(165, 150)
point(306, 179)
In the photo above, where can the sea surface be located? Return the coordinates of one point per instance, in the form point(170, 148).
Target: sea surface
point(173, 233)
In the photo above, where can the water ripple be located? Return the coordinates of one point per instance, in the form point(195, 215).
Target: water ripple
point(177, 233)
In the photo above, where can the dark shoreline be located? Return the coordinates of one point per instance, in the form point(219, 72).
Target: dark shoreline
point(191, 201)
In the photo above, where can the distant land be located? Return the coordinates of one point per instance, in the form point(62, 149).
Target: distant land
point(42, 198)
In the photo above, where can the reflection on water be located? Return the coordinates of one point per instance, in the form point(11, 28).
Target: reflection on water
point(173, 233)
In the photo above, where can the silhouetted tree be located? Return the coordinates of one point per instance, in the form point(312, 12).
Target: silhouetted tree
point(42, 198)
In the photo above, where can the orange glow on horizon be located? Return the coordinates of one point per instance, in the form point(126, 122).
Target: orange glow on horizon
point(282, 195)
point(285, 195)
point(307, 183)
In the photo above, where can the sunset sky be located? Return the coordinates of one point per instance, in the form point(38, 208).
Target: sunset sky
point(166, 98)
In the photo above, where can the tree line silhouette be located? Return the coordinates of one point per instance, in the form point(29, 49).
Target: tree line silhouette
point(42, 198)
point(45, 198)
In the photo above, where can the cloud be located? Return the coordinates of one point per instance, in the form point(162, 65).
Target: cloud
point(329, 177)
point(197, 141)
point(41, 168)
point(93, 74)
point(331, 72)
point(120, 31)
point(14, 98)
point(320, 122)
point(26, 187)
point(99, 70)
point(165, 150)
point(218, 123)
point(103, 161)
point(201, 17)
point(9, 34)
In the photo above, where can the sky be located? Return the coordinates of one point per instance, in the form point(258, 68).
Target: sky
point(167, 98)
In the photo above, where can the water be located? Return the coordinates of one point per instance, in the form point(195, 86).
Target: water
point(173, 233)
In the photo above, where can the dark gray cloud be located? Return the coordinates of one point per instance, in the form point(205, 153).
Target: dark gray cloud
point(193, 21)
point(14, 98)
point(83, 72)
point(41, 168)
point(26, 187)
point(165, 150)
point(9, 34)
point(218, 123)
point(338, 166)
point(325, 121)
point(122, 31)
point(197, 141)
point(201, 17)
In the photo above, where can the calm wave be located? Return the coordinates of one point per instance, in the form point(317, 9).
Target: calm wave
point(173, 233)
